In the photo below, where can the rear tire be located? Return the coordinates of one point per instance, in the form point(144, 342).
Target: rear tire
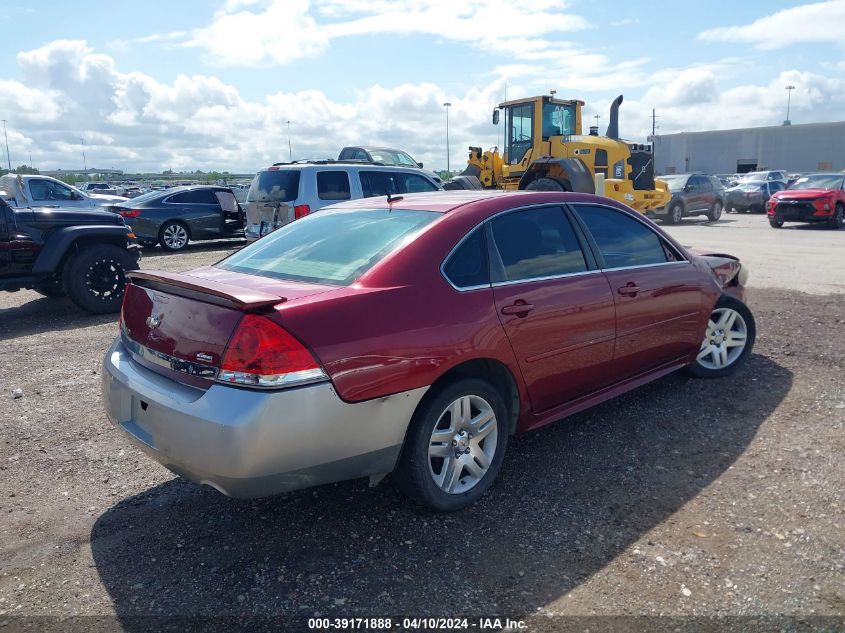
point(728, 340)
point(775, 224)
point(173, 236)
point(51, 287)
point(838, 218)
point(442, 465)
point(95, 277)
point(545, 184)
point(715, 211)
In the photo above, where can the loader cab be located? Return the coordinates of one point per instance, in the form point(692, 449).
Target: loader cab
point(534, 121)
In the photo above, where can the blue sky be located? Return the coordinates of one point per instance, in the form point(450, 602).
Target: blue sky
point(192, 84)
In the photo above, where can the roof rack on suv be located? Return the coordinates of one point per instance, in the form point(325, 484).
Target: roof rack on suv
point(328, 161)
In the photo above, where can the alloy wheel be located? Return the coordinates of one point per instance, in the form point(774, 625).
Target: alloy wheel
point(724, 340)
point(104, 279)
point(175, 236)
point(463, 444)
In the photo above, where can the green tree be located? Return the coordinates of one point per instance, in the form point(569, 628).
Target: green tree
point(26, 169)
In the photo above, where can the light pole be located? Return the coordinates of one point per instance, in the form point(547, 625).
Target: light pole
point(448, 164)
point(789, 90)
point(290, 151)
point(84, 162)
point(8, 156)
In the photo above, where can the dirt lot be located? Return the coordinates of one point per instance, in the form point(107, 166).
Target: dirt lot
point(687, 498)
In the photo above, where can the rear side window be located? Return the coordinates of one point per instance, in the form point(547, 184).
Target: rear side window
point(467, 266)
point(536, 243)
point(622, 240)
point(197, 196)
point(274, 186)
point(329, 247)
point(378, 183)
point(333, 185)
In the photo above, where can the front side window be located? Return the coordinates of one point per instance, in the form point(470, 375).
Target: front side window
point(329, 247)
point(622, 240)
point(520, 131)
point(467, 266)
point(333, 185)
point(48, 190)
point(378, 183)
point(414, 183)
point(536, 243)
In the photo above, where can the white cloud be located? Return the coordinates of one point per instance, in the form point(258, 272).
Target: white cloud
point(808, 23)
point(283, 31)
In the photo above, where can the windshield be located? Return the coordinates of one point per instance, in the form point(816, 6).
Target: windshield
point(329, 247)
point(754, 185)
point(754, 175)
point(274, 185)
point(392, 157)
point(150, 195)
point(819, 181)
point(675, 183)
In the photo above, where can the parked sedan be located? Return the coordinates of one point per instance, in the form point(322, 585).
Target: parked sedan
point(174, 216)
point(752, 195)
point(811, 198)
point(412, 335)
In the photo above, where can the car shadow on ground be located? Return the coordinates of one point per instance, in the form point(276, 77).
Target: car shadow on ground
point(43, 314)
point(222, 245)
point(571, 498)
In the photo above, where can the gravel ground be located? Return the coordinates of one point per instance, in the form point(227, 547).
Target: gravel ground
point(686, 498)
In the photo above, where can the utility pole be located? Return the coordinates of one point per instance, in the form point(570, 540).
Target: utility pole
point(290, 151)
point(653, 138)
point(448, 165)
point(30, 161)
point(789, 90)
point(84, 162)
point(8, 156)
point(597, 117)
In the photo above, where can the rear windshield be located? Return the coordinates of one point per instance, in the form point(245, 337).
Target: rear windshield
point(274, 186)
point(329, 247)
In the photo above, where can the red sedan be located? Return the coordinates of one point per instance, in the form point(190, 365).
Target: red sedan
point(811, 198)
point(412, 336)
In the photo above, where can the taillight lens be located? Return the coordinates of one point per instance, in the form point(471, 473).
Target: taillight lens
point(262, 354)
point(130, 213)
point(301, 210)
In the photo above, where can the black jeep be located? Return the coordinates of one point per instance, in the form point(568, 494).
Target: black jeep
point(79, 252)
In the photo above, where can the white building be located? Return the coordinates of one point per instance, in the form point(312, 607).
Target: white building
point(795, 148)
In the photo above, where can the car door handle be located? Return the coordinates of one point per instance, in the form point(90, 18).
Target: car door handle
point(519, 309)
point(630, 289)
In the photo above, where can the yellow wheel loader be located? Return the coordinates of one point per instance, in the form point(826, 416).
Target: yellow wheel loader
point(545, 150)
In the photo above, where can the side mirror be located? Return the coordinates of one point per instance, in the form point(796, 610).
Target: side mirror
point(75, 196)
point(496, 116)
point(419, 165)
point(687, 188)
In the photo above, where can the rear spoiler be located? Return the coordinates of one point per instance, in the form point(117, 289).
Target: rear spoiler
point(204, 289)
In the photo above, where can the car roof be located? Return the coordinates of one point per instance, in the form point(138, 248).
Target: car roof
point(445, 201)
point(341, 165)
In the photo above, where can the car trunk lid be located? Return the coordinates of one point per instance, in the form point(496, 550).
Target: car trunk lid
point(178, 324)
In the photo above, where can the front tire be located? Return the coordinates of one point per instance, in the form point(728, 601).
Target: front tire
point(95, 277)
point(728, 340)
point(676, 213)
point(455, 446)
point(173, 236)
point(775, 224)
point(545, 184)
point(838, 218)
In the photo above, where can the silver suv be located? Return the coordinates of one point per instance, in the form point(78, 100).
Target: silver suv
point(286, 191)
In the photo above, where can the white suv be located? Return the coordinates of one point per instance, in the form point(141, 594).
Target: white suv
point(286, 191)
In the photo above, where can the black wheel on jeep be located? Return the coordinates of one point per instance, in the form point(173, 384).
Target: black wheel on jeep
point(95, 277)
point(51, 287)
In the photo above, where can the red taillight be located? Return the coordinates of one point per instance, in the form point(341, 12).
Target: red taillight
point(301, 210)
point(123, 306)
point(130, 213)
point(262, 354)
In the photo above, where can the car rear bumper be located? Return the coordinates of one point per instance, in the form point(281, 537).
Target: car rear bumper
point(248, 443)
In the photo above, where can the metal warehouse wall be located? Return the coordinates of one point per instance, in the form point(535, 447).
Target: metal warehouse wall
point(795, 148)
